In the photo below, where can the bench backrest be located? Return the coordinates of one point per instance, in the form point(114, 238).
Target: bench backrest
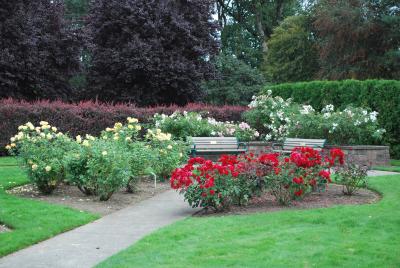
point(291, 143)
point(214, 143)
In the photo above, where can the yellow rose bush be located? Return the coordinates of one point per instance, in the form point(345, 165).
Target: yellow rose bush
point(168, 153)
point(96, 165)
point(40, 150)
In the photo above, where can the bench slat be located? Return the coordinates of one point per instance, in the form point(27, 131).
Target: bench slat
point(216, 145)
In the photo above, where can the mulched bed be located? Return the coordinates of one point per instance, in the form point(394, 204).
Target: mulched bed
point(332, 196)
point(71, 196)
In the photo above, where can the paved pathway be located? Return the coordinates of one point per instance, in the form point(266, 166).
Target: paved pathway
point(374, 173)
point(90, 244)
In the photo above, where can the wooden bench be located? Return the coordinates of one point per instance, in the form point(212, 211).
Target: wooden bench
point(216, 145)
point(290, 143)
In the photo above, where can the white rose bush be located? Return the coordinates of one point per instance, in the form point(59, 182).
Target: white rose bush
point(277, 118)
point(193, 124)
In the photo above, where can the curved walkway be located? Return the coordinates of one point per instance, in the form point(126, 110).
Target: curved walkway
point(92, 243)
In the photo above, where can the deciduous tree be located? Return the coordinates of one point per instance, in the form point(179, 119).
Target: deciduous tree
point(150, 52)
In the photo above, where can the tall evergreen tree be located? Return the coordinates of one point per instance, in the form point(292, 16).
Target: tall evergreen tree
point(150, 51)
point(38, 51)
point(292, 55)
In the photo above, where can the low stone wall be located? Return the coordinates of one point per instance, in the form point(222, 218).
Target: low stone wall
point(369, 155)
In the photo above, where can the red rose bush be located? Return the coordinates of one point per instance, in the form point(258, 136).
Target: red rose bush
point(236, 179)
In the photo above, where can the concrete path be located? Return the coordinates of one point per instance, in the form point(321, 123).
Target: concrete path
point(374, 173)
point(90, 244)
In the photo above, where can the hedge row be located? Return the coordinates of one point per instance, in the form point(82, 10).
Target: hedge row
point(91, 117)
point(380, 95)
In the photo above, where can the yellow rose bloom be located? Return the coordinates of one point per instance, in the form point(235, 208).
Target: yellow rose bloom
point(104, 153)
point(130, 126)
point(138, 127)
point(13, 145)
point(78, 139)
point(34, 167)
point(118, 125)
point(169, 147)
point(8, 147)
point(43, 123)
point(47, 168)
point(54, 129)
point(85, 143)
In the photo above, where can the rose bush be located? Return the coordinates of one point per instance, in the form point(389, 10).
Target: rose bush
point(235, 180)
point(303, 171)
point(96, 165)
point(41, 150)
point(277, 118)
point(192, 124)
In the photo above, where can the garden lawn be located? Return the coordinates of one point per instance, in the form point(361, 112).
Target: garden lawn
point(340, 236)
point(31, 221)
point(394, 166)
point(8, 161)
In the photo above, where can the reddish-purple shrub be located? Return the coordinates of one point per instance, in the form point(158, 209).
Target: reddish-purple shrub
point(91, 117)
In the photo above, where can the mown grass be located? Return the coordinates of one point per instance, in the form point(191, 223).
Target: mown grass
point(341, 236)
point(394, 166)
point(31, 221)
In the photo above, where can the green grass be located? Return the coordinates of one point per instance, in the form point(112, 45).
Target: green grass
point(31, 221)
point(394, 166)
point(8, 161)
point(340, 236)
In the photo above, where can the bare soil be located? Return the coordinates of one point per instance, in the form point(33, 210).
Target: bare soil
point(70, 196)
point(332, 196)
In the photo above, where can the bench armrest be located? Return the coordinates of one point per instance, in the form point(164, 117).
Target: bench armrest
point(243, 145)
point(277, 144)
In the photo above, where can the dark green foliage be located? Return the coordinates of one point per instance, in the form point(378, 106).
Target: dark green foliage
point(380, 95)
point(247, 25)
point(236, 83)
point(292, 55)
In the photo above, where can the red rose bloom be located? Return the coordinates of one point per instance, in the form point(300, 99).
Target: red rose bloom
point(299, 192)
point(298, 180)
point(212, 192)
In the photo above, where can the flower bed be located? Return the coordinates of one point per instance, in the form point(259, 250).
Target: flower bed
point(235, 180)
point(98, 166)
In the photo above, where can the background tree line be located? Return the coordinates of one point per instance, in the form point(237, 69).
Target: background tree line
point(179, 51)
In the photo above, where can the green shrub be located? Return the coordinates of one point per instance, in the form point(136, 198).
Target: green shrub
point(192, 124)
point(382, 96)
point(271, 115)
point(236, 82)
point(348, 127)
point(99, 167)
point(41, 151)
point(352, 177)
point(167, 154)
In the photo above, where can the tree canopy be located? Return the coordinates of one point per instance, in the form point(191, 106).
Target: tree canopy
point(292, 54)
point(150, 52)
point(39, 52)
